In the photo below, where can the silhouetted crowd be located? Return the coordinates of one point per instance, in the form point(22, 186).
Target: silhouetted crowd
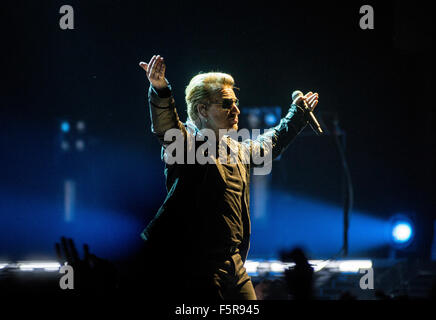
point(94, 274)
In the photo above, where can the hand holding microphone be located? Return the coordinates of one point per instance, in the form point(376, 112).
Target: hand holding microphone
point(308, 103)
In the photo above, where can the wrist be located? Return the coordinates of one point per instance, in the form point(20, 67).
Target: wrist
point(160, 85)
point(162, 91)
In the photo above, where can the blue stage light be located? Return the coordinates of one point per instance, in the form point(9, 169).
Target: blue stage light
point(402, 232)
point(270, 119)
point(65, 126)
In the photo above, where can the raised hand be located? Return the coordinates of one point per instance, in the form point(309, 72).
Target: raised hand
point(91, 272)
point(155, 71)
point(310, 98)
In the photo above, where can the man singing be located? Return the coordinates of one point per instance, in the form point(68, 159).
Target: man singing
point(199, 239)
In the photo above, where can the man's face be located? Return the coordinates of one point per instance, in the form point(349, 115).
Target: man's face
point(223, 111)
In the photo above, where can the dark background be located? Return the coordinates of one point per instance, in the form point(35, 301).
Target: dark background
point(378, 82)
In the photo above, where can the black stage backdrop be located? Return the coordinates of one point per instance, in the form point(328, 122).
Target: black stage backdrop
point(378, 83)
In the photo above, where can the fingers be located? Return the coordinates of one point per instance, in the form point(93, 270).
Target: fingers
point(308, 95)
point(59, 255)
point(143, 65)
point(155, 69)
point(86, 252)
point(64, 246)
point(147, 66)
point(73, 251)
point(152, 67)
point(311, 100)
point(161, 70)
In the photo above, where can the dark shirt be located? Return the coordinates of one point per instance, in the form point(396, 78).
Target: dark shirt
point(223, 228)
point(232, 200)
point(226, 225)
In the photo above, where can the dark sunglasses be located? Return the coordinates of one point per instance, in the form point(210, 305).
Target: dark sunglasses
point(228, 103)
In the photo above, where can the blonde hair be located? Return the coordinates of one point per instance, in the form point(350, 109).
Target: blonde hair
point(202, 88)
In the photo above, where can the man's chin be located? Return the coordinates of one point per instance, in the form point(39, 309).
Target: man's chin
point(233, 127)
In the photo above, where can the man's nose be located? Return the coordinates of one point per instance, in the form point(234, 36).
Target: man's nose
point(235, 109)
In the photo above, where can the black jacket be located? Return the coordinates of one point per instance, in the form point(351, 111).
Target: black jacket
point(179, 225)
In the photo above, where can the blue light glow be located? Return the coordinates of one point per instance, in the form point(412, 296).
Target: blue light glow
point(32, 226)
point(65, 126)
point(294, 220)
point(402, 232)
point(270, 119)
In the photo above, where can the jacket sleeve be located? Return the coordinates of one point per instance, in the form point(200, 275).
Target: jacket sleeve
point(163, 114)
point(268, 146)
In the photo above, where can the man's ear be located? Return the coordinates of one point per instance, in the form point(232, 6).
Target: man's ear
point(201, 108)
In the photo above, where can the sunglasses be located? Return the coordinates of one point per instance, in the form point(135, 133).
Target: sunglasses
point(228, 103)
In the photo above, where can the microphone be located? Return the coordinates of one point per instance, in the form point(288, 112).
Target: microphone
point(314, 124)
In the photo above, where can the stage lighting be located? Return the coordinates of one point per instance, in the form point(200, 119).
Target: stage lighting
point(354, 265)
point(80, 145)
point(65, 126)
point(274, 267)
point(260, 117)
point(270, 119)
point(72, 137)
point(43, 265)
point(253, 119)
point(65, 146)
point(80, 126)
point(402, 232)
